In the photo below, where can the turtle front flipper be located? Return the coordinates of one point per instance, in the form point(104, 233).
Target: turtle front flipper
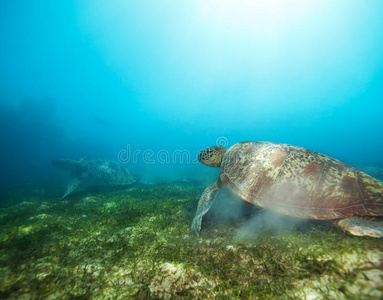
point(204, 204)
point(361, 226)
point(73, 184)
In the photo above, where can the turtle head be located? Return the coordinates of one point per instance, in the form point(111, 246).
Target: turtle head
point(212, 156)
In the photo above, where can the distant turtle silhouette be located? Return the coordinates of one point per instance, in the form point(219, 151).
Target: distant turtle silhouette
point(296, 182)
point(93, 171)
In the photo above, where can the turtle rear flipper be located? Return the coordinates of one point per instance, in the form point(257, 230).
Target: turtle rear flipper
point(73, 184)
point(361, 226)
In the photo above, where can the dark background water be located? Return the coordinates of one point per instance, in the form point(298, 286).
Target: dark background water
point(153, 82)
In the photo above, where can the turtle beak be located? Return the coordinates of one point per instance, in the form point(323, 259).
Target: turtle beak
point(202, 156)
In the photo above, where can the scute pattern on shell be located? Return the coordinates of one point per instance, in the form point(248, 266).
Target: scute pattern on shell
point(299, 182)
point(102, 170)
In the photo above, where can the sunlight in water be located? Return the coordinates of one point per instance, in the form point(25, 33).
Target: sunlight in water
point(269, 16)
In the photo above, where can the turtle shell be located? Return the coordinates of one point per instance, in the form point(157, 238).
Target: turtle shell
point(299, 182)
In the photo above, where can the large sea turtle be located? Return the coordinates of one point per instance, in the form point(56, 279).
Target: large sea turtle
point(94, 171)
point(296, 182)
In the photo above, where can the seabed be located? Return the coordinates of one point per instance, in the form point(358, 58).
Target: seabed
point(135, 242)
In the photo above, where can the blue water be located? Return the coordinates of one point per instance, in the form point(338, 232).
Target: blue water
point(151, 83)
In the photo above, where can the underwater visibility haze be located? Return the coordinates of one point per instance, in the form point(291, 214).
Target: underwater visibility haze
point(104, 107)
point(88, 79)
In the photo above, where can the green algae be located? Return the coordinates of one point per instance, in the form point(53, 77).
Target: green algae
point(136, 243)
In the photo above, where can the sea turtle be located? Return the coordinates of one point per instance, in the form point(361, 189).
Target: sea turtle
point(296, 182)
point(94, 171)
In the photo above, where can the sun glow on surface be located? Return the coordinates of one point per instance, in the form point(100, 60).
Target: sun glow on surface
point(242, 57)
point(248, 15)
